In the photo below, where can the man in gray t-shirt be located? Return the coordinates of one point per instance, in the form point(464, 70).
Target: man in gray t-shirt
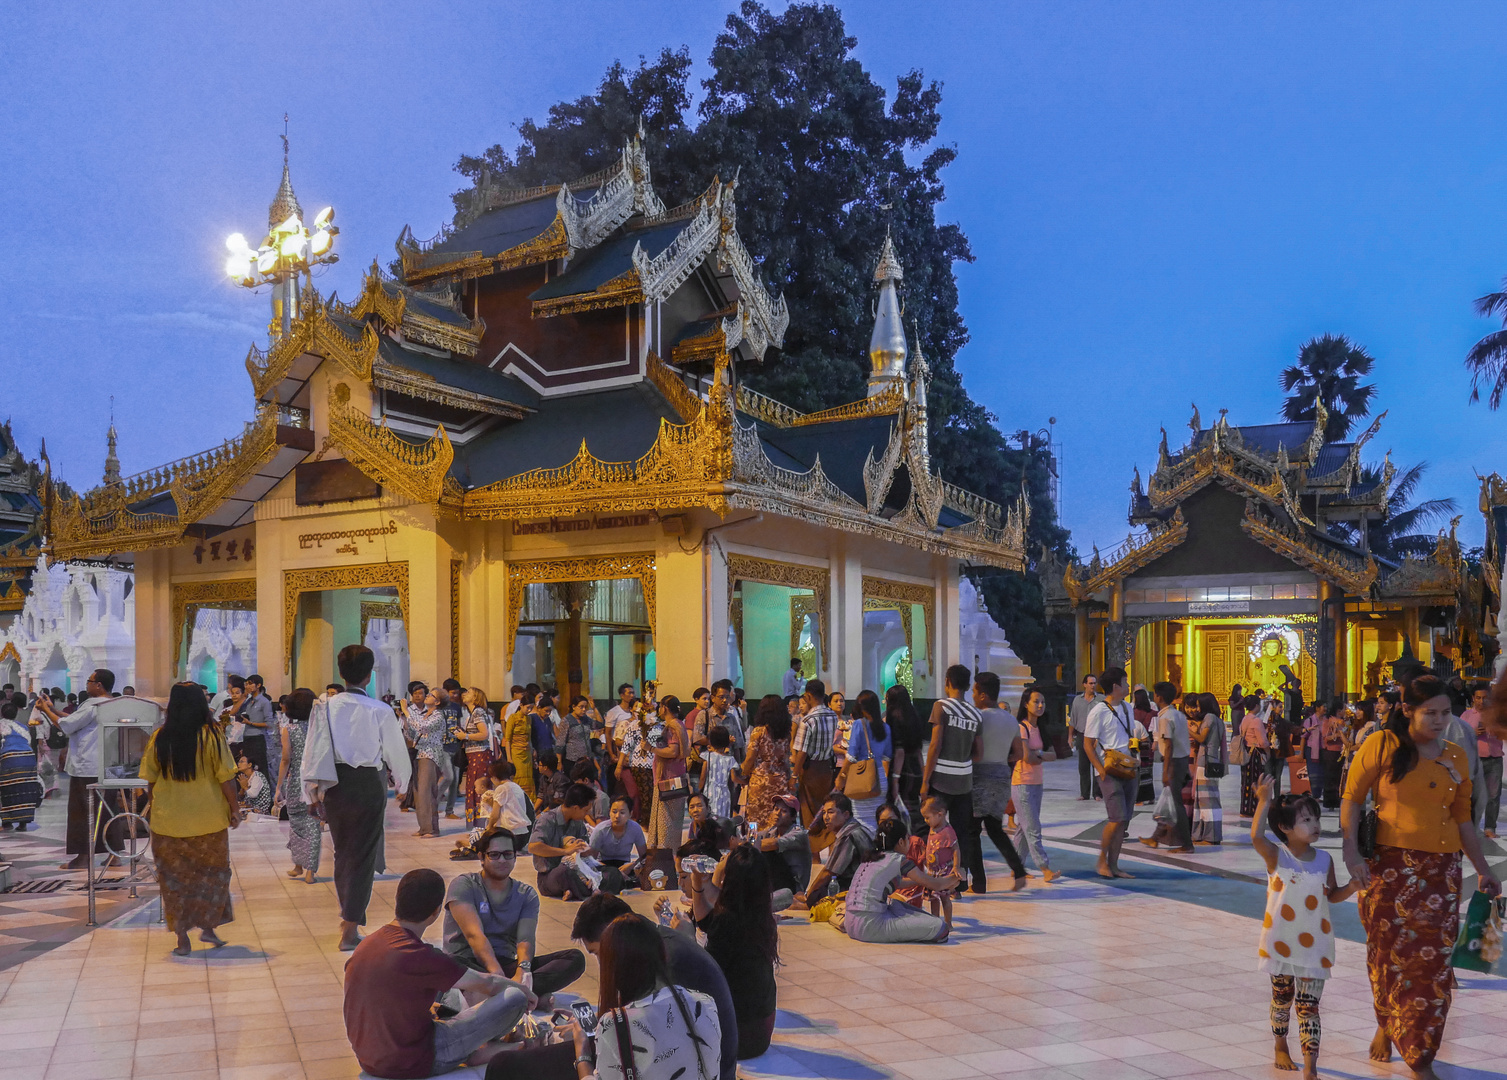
point(491, 919)
point(1174, 744)
point(558, 832)
point(1077, 715)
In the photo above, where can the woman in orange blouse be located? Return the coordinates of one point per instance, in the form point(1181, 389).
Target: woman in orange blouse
point(1410, 888)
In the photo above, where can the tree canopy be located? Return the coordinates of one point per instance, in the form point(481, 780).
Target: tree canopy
point(1329, 368)
point(825, 161)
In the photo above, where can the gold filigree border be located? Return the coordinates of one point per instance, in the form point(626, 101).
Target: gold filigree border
point(372, 575)
point(793, 576)
point(881, 594)
point(185, 598)
point(378, 609)
point(589, 568)
point(455, 569)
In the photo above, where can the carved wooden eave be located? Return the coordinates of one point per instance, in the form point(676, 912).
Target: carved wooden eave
point(1420, 579)
point(101, 521)
point(318, 334)
point(415, 384)
point(1316, 439)
point(704, 347)
point(620, 291)
point(1134, 552)
point(388, 303)
point(1217, 460)
point(415, 470)
point(1350, 572)
point(686, 402)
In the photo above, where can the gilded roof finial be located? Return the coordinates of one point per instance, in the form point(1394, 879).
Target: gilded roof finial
point(887, 348)
point(112, 462)
point(284, 203)
point(1195, 423)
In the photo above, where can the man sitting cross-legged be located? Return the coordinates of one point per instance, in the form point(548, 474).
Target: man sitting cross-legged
point(391, 983)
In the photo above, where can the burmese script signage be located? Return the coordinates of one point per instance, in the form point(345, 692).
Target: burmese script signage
point(1218, 607)
point(350, 536)
point(584, 524)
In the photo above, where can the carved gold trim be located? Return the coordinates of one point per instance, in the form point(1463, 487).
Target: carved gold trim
point(880, 594)
point(686, 402)
point(9, 653)
point(376, 300)
point(185, 598)
point(416, 384)
point(702, 347)
point(553, 243)
point(765, 408)
point(590, 568)
point(621, 291)
point(886, 403)
point(455, 568)
point(370, 576)
point(801, 605)
point(792, 576)
point(1132, 554)
point(1346, 571)
point(378, 609)
point(318, 334)
point(415, 470)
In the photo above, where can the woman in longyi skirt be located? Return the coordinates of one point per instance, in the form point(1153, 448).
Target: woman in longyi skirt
point(192, 793)
point(20, 789)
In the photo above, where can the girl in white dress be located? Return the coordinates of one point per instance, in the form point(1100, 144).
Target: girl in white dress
point(1297, 938)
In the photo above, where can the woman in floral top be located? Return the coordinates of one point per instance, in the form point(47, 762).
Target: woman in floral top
point(427, 730)
point(636, 761)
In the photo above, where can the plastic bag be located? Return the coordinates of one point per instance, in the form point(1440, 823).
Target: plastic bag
point(1166, 807)
point(1480, 943)
point(586, 868)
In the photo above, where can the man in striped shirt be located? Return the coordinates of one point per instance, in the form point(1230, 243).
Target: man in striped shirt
point(955, 745)
point(811, 757)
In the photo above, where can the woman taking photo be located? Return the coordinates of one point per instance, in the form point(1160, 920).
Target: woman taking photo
point(1410, 886)
point(192, 793)
point(743, 938)
point(303, 827)
point(1209, 735)
point(767, 764)
point(647, 1027)
point(427, 730)
point(476, 733)
point(869, 740)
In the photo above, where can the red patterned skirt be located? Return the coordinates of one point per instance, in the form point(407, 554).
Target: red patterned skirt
point(1411, 913)
point(193, 873)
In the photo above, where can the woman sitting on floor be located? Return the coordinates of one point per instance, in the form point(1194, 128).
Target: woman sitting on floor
point(871, 914)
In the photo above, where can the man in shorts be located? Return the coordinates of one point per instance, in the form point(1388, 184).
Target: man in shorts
point(1111, 729)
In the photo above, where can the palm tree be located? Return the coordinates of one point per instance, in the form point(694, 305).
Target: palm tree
point(1487, 359)
point(1329, 368)
point(1403, 531)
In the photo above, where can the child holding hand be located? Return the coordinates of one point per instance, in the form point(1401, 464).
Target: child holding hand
point(941, 859)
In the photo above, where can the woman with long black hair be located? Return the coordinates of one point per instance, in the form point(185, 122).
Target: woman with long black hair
point(742, 936)
point(908, 736)
point(1209, 736)
point(303, 827)
point(869, 740)
point(193, 805)
point(1410, 886)
point(766, 768)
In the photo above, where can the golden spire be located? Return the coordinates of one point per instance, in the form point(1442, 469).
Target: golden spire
point(887, 350)
point(284, 203)
point(112, 462)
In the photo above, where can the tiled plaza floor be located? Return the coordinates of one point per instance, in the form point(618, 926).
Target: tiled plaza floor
point(1080, 979)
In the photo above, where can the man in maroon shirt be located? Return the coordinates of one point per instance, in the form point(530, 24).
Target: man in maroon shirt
point(391, 983)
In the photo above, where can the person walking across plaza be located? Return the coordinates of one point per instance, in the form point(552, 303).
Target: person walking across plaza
point(1212, 740)
point(1176, 747)
point(303, 827)
point(1078, 712)
point(955, 745)
point(1297, 938)
point(1000, 747)
point(1251, 734)
point(352, 738)
point(192, 791)
point(1026, 780)
point(475, 734)
point(1108, 739)
point(811, 755)
point(1489, 748)
point(1410, 884)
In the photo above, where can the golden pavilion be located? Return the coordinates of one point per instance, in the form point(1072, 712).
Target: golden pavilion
point(534, 459)
point(1234, 571)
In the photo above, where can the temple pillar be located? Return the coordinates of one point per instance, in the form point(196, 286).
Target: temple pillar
point(1331, 658)
point(156, 671)
point(944, 642)
point(428, 607)
point(847, 616)
point(1082, 658)
point(690, 616)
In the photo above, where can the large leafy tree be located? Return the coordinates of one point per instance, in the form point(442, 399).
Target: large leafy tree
point(826, 160)
point(1487, 359)
point(1404, 529)
point(1329, 368)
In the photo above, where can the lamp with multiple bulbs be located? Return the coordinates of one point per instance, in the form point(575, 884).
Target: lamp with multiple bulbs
point(291, 248)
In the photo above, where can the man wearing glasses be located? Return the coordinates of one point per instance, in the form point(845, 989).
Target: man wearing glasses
point(490, 920)
point(82, 728)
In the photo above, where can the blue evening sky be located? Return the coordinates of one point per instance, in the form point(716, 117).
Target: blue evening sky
point(1165, 200)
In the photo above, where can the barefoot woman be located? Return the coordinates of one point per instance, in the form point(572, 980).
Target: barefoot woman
point(1410, 888)
point(191, 785)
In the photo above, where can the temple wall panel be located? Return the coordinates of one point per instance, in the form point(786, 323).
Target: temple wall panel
point(154, 665)
point(554, 350)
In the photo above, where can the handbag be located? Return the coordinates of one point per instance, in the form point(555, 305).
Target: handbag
point(1214, 770)
point(1480, 943)
point(673, 787)
point(1122, 764)
point(56, 739)
point(860, 779)
point(1239, 753)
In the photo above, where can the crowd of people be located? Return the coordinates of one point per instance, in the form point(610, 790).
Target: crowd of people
point(859, 814)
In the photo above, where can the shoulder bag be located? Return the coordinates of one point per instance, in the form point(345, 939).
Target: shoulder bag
point(1121, 764)
point(624, 1043)
point(1214, 770)
point(860, 779)
point(1365, 833)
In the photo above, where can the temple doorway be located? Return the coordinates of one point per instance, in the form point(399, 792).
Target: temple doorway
point(327, 620)
point(584, 637)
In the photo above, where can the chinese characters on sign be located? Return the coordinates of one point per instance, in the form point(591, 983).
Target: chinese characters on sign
point(224, 550)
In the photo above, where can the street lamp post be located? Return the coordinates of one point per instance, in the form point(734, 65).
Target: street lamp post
point(290, 249)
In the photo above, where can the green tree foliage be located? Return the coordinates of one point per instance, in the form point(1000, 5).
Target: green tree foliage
point(1404, 529)
point(1487, 359)
point(1329, 368)
point(825, 162)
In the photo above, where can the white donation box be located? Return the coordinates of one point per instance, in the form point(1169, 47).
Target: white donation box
point(125, 725)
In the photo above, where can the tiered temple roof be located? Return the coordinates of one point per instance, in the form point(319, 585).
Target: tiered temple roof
point(571, 349)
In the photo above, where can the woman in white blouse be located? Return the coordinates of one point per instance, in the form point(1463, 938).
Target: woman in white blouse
point(664, 1030)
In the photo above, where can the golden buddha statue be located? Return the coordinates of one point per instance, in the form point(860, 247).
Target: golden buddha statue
point(1266, 669)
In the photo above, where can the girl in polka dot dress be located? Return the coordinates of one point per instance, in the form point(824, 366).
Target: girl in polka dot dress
point(1297, 939)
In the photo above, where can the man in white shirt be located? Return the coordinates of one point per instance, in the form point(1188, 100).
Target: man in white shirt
point(1176, 748)
point(1110, 728)
point(795, 682)
point(615, 718)
point(82, 728)
point(352, 738)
